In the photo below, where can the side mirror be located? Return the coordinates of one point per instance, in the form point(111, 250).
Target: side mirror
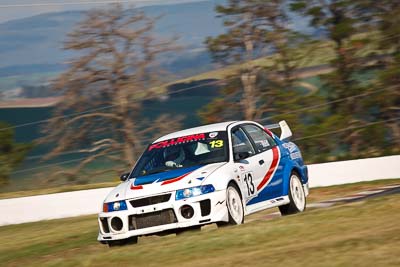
point(241, 155)
point(124, 177)
point(286, 133)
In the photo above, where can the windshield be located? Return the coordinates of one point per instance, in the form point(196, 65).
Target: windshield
point(183, 152)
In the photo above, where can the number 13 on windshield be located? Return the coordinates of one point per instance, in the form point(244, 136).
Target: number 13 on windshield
point(216, 143)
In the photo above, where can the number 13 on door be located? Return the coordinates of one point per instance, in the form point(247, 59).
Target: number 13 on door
point(249, 184)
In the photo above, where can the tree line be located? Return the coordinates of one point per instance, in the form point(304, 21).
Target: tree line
point(348, 100)
point(118, 69)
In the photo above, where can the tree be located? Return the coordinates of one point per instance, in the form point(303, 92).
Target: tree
point(11, 153)
point(104, 87)
point(341, 20)
point(256, 28)
point(387, 16)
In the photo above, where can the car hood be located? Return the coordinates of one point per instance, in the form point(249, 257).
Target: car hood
point(162, 182)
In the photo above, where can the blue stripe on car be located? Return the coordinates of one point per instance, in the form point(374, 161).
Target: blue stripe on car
point(163, 176)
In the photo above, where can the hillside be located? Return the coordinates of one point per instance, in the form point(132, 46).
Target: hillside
point(31, 48)
point(34, 44)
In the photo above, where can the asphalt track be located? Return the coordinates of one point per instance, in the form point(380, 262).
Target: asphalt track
point(371, 193)
point(361, 196)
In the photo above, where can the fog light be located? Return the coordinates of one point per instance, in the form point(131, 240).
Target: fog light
point(187, 211)
point(116, 224)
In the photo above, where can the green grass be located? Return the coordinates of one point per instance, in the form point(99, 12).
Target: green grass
point(358, 234)
point(322, 53)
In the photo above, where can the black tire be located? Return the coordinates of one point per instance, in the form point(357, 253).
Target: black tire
point(123, 242)
point(297, 199)
point(234, 206)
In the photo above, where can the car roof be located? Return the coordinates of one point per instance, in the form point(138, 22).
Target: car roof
point(222, 126)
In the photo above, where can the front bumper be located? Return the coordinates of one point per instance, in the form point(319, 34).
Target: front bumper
point(144, 220)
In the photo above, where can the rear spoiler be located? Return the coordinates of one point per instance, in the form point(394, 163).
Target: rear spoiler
point(286, 133)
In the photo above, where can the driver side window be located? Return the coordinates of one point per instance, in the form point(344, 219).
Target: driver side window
point(242, 147)
point(261, 139)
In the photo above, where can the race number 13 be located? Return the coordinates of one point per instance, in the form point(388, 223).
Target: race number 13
point(217, 143)
point(248, 179)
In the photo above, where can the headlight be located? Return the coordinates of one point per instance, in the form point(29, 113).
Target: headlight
point(114, 206)
point(194, 191)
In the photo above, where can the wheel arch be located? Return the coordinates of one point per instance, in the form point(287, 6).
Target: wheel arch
point(236, 184)
point(291, 167)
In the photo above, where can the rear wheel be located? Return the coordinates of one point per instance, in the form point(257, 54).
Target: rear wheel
point(297, 197)
point(235, 206)
point(123, 242)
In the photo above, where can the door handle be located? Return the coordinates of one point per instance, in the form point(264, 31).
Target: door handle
point(261, 162)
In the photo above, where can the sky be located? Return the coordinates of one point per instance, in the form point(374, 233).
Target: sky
point(17, 9)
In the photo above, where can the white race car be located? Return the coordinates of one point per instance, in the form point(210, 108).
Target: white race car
point(217, 173)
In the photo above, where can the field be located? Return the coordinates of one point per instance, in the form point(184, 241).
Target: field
point(16, 81)
point(358, 234)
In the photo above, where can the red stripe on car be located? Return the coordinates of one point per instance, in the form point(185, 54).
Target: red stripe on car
point(175, 179)
point(271, 170)
point(136, 187)
point(268, 132)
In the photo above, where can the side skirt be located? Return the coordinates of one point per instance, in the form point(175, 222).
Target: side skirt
point(271, 203)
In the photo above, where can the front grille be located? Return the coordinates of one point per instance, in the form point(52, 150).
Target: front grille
point(141, 202)
point(152, 219)
point(104, 225)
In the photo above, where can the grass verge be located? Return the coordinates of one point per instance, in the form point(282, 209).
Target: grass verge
point(357, 234)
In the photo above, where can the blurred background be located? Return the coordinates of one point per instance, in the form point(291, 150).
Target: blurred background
point(86, 85)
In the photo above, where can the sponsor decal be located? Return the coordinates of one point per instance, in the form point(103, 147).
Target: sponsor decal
point(241, 168)
point(295, 155)
point(294, 152)
point(290, 146)
point(264, 143)
point(213, 134)
point(179, 140)
point(220, 202)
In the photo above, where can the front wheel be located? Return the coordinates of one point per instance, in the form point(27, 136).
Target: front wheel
point(297, 197)
point(235, 206)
